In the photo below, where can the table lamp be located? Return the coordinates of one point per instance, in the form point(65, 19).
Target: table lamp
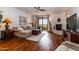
point(7, 21)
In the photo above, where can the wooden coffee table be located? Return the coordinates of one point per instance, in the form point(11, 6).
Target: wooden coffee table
point(36, 32)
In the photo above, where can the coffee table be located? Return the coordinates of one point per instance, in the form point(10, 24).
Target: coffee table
point(36, 32)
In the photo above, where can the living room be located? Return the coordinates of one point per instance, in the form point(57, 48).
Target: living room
point(44, 28)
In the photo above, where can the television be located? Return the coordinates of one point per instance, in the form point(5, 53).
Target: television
point(58, 26)
point(71, 22)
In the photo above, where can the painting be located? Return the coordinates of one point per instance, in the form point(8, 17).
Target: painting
point(0, 25)
point(58, 20)
point(1, 16)
point(23, 20)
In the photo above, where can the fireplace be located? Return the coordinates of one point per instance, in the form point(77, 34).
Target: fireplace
point(58, 26)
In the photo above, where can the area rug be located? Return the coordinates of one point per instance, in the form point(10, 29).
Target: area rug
point(36, 37)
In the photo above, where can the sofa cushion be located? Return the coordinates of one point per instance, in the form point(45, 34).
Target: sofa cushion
point(24, 27)
point(23, 34)
point(71, 45)
point(68, 46)
point(62, 48)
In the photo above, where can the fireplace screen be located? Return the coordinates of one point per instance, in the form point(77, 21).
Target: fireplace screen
point(58, 26)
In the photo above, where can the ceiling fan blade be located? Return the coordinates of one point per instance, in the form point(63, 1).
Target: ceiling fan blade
point(38, 8)
point(42, 10)
point(35, 7)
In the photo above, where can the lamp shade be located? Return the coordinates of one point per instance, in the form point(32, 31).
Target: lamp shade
point(7, 20)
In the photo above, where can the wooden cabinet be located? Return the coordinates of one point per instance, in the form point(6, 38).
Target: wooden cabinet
point(72, 36)
point(7, 34)
point(2, 34)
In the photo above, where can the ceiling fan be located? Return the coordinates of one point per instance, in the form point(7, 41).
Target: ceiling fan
point(38, 8)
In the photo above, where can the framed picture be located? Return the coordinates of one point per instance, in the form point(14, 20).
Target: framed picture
point(0, 25)
point(23, 20)
point(1, 16)
point(58, 20)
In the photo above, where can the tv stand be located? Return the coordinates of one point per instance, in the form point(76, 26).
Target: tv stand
point(72, 36)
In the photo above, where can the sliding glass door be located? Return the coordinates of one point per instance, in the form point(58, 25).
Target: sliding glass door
point(43, 23)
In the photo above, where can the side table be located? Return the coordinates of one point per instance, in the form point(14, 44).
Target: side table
point(9, 34)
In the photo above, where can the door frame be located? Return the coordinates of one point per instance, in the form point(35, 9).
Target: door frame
point(42, 22)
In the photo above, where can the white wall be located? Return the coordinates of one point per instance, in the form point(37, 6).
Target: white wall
point(13, 14)
point(54, 18)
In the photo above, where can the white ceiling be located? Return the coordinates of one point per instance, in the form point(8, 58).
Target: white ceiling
point(31, 10)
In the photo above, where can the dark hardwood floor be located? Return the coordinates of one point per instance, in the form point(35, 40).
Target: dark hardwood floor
point(49, 42)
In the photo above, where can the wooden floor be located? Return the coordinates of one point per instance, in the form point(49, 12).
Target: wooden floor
point(49, 42)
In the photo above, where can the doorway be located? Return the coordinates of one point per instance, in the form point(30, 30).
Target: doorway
point(43, 23)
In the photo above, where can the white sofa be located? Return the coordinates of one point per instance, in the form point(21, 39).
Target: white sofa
point(20, 32)
point(68, 46)
point(24, 33)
